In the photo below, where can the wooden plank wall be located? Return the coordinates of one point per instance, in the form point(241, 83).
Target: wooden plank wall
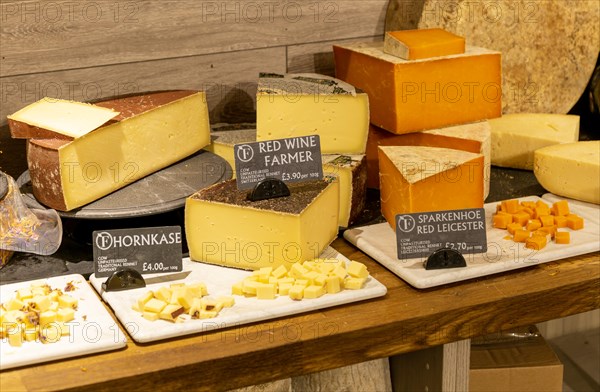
point(85, 50)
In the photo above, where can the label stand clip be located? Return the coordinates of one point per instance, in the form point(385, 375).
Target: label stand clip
point(269, 188)
point(444, 258)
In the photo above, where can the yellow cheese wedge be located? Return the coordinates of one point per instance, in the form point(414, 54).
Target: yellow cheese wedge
point(570, 170)
point(422, 179)
point(473, 137)
point(516, 136)
point(351, 171)
point(223, 227)
point(224, 136)
point(413, 95)
point(51, 118)
point(153, 131)
point(422, 43)
point(307, 104)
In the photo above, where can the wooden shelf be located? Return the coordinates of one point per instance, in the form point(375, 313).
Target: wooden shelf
point(404, 320)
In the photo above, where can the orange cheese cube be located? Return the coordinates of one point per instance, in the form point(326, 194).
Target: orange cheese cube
point(560, 208)
point(420, 179)
point(512, 227)
point(474, 137)
point(562, 237)
point(528, 204)
point(574, 222)
point(560, 221)
point(414, 95)
point(540, 211)
point(540, 233)
point(521, 218)
point(521, 235)
point(536, 242)
point(510, 206)
point(551, 230)
point(533, 225)
point(547, 220)
point(501, 221)
point(422, 43)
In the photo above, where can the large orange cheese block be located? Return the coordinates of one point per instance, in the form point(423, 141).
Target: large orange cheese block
point(414, 95)
point(422, 43)
point(422, 179)
point(473, 137)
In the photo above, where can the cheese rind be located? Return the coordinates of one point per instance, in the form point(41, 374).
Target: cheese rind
point(351, 171)
point(474, 137)
point(423, 179)
point(422, 43)
point(571, 170)
point(414, 95)
point(516, 136)
point(294, 105)
point(161, 129)
point(224, 228)
point(58, 118)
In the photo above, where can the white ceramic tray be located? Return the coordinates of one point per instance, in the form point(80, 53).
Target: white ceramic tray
point(219, 281)
point(92, 331)
point(379, 242)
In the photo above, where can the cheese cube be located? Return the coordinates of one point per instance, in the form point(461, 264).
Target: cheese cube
point(171, 312)
point(304, 224)
point(249, 286)
point(47, 317)
point(24, 293)
point(314, 291)
point(422, 43)
point(414, 95)
point(534, 224)
point(473, 137)
point(15, 336)
point(297, 271)
point(266, 291)
point(150, 316)
point(154, 305)
point(280, 272)
point(562, 237)
point(294, 105)
point(339, 272)
point(65, 315)
point(570, 170)
point(560, 208)
point(198, 289)
point(520, 235)
point(420, 179)
point(30, 334)
point(163, 293)
point(560, 221)
point(351, 283)
point(147, 296)
point(332, 285)
point(574, 222)
point(296, 292)
point(516, 136)
point(536, 242)
point(67, 301)
point(357, 270)
point(512, 227)
point(237, 288)
point(14, 304)
point(284, 288)
point(226, 301)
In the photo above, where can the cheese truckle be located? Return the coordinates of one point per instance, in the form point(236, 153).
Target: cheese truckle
point(223, 227)
point(414, 95)
point(424, 179)
point(294, 105)
point(151, 132)
point(474, 137)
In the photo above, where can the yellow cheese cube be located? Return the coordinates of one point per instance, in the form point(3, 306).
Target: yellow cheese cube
point(198, 289)
point(284, 288)
point(301, 282)
point(151, 316)
point(296, 292)
point(357, 270)
point(24, 293)
point(266, 291)
point(249, 286)
point(297, 271)
point(211, 305)
point(339, 272)
point(15, 336)
point(65, 314)
point(286, 280)
point(332, 285)
point(183, 297)
point(354, 283)
point(310, 276)
point(50, 333)
point(154, 305)
point(314, 291)
point(30, 334)
point(226, 301)
point(206, 314)
point(164, 294)
point(279, 272)
point(147, 296)
point(237, 288)
point(47, 317)
point(171, 312)
point(14, 304)
point(67, 301)
point(41, 303)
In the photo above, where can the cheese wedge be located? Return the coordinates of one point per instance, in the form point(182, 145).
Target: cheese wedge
point(224, 136)
point(422, 43)
point(58, 118)
point(351, 171)
point(422, 179)
point(223, 227)
point(474, 137)
point(152, 132)
point(414, 95)
point(307, 104)
point(516, 136)
point(570, 170)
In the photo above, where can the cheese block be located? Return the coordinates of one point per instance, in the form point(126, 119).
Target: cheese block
point(351, 171)
point(223, 227)
point(473, 137)
point(415, 95)
point(58, 118)
point(307, 104)
point(152, 131)
point(422, 43)
point(422, 179)
point(570, 170)
point(224, 136)
point(516, 136)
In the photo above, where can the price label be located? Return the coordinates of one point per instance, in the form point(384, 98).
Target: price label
point(291, 160)
point(147, 250)
point(420, 234)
